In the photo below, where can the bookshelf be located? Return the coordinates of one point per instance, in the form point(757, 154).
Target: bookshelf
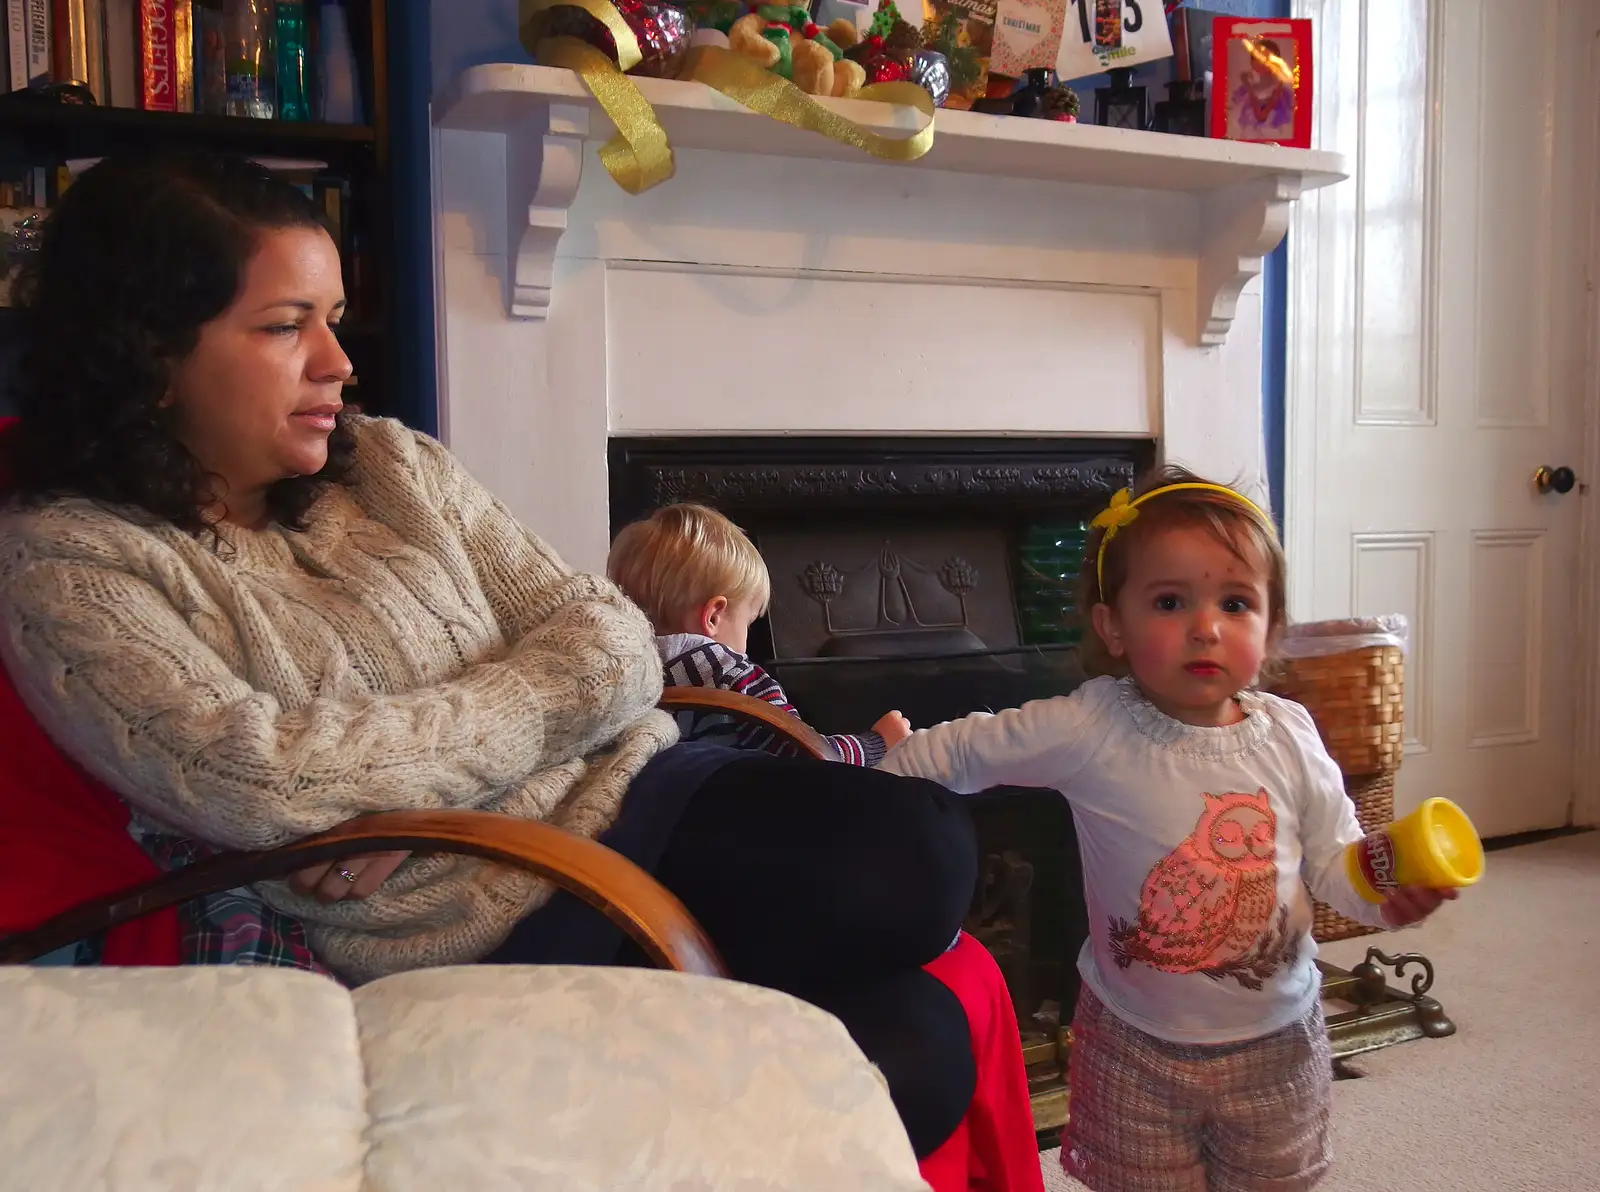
point(72, 132)
point(37, 133)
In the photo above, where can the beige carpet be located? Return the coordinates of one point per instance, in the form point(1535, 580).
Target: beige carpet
point(1511, 1102)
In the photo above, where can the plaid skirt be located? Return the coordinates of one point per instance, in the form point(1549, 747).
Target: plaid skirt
point(1154, 1116)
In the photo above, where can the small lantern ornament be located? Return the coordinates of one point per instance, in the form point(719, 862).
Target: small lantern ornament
point(1121, 104)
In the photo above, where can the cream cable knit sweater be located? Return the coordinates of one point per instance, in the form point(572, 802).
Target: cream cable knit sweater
point(416, 647)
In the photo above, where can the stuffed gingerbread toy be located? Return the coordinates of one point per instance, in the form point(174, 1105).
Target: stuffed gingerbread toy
point(784, 40)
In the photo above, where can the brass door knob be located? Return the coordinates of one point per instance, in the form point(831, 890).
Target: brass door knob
point(1555, 480)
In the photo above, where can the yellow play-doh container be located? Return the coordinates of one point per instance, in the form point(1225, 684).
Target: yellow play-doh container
point(1436, 846)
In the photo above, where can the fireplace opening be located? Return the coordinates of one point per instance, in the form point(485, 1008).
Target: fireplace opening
point(935, 576)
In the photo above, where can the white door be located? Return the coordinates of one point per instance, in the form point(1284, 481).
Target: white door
point(1437, 358)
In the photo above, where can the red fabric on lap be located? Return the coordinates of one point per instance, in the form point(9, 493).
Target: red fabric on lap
point(994, 1149)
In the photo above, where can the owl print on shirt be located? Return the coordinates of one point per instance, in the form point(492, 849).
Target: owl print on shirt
point(1211, 905)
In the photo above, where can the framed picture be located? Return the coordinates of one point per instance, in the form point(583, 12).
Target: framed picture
point(1027, 36)
point(1261, 81)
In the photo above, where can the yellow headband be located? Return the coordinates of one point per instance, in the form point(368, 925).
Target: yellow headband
point(1124, 508)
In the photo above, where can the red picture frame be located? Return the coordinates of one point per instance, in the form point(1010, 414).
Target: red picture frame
point(1261, 81)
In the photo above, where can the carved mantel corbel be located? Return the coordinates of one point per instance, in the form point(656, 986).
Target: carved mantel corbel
point(544, 164)
point(1239, 226)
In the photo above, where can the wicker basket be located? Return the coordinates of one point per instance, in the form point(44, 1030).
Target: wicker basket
point(1356, 697)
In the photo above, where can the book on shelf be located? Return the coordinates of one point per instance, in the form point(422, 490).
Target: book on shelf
point(166, 56)
point(331, 194)
point(210, 64)
point(28, 59)
point(16, 45)
point(122, 52)
point(77, 44)
point(32, 187)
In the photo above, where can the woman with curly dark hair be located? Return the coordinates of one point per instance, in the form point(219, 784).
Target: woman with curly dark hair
point(254, 614)
point(114, 310)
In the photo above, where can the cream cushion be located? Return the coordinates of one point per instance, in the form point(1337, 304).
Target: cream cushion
point(444, 1080)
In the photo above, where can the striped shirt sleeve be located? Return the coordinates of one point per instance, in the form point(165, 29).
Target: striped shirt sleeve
point(711, 664)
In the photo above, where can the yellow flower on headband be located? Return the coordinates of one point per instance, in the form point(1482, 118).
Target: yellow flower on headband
point(1124, 508)
point(1119, 513)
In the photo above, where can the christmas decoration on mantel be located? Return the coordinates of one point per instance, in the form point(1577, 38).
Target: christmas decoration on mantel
point(772, 60)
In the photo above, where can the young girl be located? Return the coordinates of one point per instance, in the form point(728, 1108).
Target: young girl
point(1200, 1059)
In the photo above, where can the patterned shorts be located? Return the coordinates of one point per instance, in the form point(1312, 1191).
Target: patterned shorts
point(1153, 1116)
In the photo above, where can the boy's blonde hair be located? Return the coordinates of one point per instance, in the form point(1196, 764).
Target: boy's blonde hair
point(1229, 521)
point(681, 556)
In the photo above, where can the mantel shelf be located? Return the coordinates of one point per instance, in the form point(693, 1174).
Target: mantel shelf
point(547, 116)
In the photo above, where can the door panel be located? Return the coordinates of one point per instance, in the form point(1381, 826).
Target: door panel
point(1437, 341)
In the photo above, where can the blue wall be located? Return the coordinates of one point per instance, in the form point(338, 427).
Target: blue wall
point(470, 33)
point(410, 85)
point(430, 43)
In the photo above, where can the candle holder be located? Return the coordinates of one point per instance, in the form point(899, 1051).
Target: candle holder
point(1184, 111)
point(1121, 104)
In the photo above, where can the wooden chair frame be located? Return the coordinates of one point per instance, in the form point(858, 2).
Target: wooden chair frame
point(746, 707)
point(610, 883)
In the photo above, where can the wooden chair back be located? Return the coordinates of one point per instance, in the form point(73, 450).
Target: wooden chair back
point(619, 889)
point(616, 887)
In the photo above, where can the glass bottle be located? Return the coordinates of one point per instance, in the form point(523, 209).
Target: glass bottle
point(293, 94)
point(248, 26)
point(338, 94)
point(210, 58)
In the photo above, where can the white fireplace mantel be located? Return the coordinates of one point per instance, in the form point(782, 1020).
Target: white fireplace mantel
point(1243, 191)
point(1025, 278)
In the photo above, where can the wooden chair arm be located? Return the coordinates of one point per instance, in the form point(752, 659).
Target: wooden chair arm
point(610, 883)
point(607, 881)
point(748, 707)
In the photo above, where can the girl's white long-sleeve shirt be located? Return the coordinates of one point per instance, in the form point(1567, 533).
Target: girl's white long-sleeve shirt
point(1195, 842)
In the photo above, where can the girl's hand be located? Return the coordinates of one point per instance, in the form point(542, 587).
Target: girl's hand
point(893, 728)
point(327, 883)
point(1413, 904)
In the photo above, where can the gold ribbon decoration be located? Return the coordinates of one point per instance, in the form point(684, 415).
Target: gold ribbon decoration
point(638, 156)
point(742, 81)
